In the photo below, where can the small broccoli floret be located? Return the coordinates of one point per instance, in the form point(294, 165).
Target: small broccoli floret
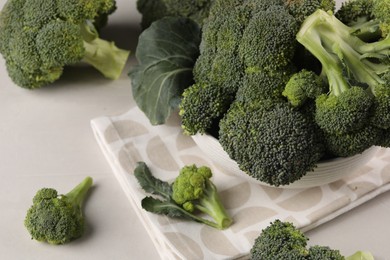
point(191, 192)
point(324, 252)
point(39, 38)
point(381, 107)
point(194, 190)
point(57, 219)
point(153, 10)
point(301, 9)
point(302, 86)
point(270, 141)
point(280, 240)
point(343, 112)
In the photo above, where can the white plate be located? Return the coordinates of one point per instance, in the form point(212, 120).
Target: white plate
point(325, 172)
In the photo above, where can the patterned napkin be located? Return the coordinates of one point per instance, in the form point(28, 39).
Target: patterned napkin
point(129, 138)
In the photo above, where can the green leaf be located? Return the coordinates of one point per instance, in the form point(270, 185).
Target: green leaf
point(360, 255)
point(168, 208)
point(166, 54)
point(151, 184)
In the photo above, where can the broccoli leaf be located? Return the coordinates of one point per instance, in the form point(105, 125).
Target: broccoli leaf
point(168, 207)
point(166, 54)
point(151, 184)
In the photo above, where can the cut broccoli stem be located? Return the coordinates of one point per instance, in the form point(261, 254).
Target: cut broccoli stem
point(211, 205)
point(77, 195)
point(101, 54)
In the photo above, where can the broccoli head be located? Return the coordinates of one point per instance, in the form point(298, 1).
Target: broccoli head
point(271, 141)
point(39, 38)
point(194, 190)
point(301, 9)
point(282, 240)
point(381, 11)
point(153, 10)
point(57, 219)
point(302, 86)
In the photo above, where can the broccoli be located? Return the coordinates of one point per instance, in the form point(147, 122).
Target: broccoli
point(381, 11)
point(357, 76)
point(301, 9)
point(190, 193)
point(243, 43)
point(39, 38)
point(57, 219)
point(153, 10)
point(271, 141)
point(302, 86)
point(282, 240)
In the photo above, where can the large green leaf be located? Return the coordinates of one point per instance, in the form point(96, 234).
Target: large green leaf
point(166, 54)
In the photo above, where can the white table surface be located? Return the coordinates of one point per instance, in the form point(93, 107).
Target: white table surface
point(46, 141)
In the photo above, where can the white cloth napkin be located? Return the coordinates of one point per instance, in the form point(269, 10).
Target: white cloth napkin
point(129, 138)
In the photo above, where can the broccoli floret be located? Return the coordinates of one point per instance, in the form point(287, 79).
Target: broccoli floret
point(57, 219)
point(301, 9)
point(282, 240)
point(39, 38)
point(350, 65)
point(270, 141)
point(190, 193)
point(194, 190)
point(381, 108)
point(352, 143)
point(324, 253)
point(302, 86)
point(153, 10)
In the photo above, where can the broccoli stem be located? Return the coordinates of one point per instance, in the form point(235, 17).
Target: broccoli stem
point(335, 46)
point(101, 54)
point(211, 204)
point(77, 195)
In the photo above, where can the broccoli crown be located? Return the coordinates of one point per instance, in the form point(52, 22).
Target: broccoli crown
point(280, 240)
point(57, 219)
point(39, 38)
point(153, 10)
point(243, 43)
point(301, 9)
point(346, 112)
point(302, 86)
point(194, 190)
point(271, 141)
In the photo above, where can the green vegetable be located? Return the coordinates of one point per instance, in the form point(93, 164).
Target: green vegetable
point(282, 240)
point(166, 54)
point(153, 10)
point(357, 73)
point(271, 141)
point(191, 191)
point(39, 38)
point(57, 219)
